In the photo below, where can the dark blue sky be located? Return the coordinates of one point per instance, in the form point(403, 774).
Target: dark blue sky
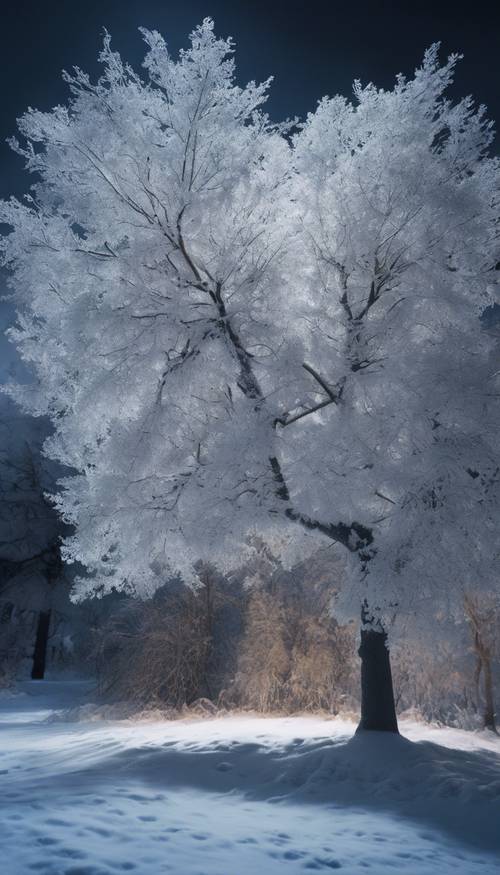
point(312, 48)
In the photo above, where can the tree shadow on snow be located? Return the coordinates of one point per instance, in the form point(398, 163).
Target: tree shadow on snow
point(454, 791)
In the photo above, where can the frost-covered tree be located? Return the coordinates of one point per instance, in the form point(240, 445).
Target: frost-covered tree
point(157, 228)
point(235, 330)
point(400, 211)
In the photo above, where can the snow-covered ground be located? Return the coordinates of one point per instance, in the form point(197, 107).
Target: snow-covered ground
point(239, 795)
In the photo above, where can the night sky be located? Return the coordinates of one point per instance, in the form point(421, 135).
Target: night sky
point(312, 48)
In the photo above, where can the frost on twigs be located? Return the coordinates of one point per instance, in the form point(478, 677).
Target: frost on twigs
point(236, 330)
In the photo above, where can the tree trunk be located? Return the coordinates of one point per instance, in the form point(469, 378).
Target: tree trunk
point(480, 625)
point(489, 707)
point(378, 711)
point(40, 652)
point(477, 679)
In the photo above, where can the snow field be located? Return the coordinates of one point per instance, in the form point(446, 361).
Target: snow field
point(239, 795)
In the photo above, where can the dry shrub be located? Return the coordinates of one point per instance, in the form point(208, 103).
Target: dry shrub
point(155, 652)
point(264, 658)
point(437, 683)
point(291, 658)
point(323, 669)
point(274, 647)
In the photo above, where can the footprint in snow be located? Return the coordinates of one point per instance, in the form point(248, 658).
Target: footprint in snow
point(105, 833)
point(280, 838)
point(323, 863)
point(83, 870)
point(73, 853)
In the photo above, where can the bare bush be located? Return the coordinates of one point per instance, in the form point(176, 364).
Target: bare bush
point(273, 647)
point(155, 652)
point(263, 664)
point(440, 688)
point(291, 659)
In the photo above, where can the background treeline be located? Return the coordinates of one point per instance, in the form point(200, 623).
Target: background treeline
point(264, 639)
point(269, 641)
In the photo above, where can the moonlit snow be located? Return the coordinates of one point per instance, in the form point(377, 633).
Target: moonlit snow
point(238, 795)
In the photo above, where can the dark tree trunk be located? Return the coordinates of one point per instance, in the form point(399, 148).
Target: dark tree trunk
point(378, 711)
point(40, 652)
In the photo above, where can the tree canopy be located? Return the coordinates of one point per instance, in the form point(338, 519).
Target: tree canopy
point(238, 326)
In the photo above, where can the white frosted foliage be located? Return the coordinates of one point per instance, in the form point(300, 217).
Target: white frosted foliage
point(236, 331)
